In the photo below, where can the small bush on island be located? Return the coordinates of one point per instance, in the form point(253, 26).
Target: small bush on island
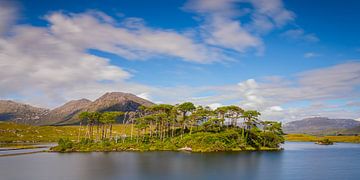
point(325, 142)
point(170, 128)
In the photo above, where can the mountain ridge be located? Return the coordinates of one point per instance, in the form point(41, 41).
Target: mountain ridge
point(320, 125)
point(67, 113)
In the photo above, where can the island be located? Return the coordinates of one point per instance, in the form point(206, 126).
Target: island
point(182, 127)
point(324, 142)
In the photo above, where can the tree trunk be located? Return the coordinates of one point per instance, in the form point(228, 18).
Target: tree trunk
point(150, 129)
point(103, 132)
point(173, 129)
point(137, 139)
point(79, 133)
point(111, 131)
point(190, 129)
point(132, 129)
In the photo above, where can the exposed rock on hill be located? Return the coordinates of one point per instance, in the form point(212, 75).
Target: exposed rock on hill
point(118, 101)
point(114, 101)
point(21, 113)
point(65, 112)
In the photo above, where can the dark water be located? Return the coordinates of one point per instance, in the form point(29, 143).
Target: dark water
point(297, 161)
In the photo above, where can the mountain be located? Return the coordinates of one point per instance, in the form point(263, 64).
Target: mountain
point(113, 101)
point(351, 131)
point(65, 112)
point(320, 125)
point(21, 113)
point(118, 101)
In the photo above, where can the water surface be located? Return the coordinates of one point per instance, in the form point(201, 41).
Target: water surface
point(299, 160)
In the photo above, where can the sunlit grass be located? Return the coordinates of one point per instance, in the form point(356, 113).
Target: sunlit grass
point(310, 138)
point(17, 133)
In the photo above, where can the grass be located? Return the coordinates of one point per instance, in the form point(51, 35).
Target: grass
point(18, 133)
point(311, 138)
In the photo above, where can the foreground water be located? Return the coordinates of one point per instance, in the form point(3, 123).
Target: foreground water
point(297, 161)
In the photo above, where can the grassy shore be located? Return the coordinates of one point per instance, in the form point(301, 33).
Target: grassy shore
point(310, 138)
point(18, 133)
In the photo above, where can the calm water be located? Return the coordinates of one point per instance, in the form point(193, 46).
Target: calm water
point(297, 161)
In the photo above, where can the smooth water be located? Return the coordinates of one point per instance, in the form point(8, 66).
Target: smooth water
point(297, 161)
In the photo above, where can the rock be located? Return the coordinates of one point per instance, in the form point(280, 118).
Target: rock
point(185, 149)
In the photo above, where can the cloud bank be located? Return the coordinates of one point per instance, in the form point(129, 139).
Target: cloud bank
point(50, 65)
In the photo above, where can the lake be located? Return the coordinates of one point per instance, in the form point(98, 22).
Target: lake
point(299, 160)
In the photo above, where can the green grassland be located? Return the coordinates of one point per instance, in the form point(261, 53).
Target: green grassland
point(17, 133)
point(311, 138)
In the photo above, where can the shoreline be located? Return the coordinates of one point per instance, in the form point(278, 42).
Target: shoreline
point(169, 150)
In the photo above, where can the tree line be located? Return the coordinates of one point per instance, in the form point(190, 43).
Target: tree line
point(164, 121)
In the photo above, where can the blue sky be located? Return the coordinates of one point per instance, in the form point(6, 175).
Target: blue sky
point(288, 59)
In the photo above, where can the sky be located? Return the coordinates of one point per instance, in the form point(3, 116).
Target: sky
point(287, 59)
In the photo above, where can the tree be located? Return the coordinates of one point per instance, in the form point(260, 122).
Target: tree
point(185, 108)
point(234, 113)
point(107, 119)
point(162, 114)
point(251, 118)
point(91, 118)
point(213, 124)
point(272, 134)
point(84, 118)
point(273, 126)
point(221, 113)
point(200, 115)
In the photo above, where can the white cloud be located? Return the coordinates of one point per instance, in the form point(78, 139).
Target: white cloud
point(8, 14)
point(300, 35)
point(311, 55)
point(144, 95)
point(50, 65)
point(273, 95)
point(273, 9)
point(132, 40)
point(214, 106)
point(276, 108)
point(222, 28)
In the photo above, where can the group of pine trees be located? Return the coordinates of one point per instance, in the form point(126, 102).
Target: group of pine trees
point(102, 121)
point(164, 121)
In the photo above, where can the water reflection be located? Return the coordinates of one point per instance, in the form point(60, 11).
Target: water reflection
point(298, 161)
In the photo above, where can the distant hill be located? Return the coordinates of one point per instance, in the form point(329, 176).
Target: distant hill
point(114, 101)
point(320, 125)
point(118, 101)
point(355, 130)
point(21, 113)
point(67, 113)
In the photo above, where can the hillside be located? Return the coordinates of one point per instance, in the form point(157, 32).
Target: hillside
point(320, 125)
point(67, 113)
point(21, 113)
point(114, 101)
point(118, 101)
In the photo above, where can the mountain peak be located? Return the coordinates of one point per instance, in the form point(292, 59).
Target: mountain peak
point(20, 113)
point(67, 113)
point(118, 101)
